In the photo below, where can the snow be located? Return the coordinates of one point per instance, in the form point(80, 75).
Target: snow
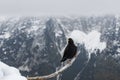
point(22, 27)
point(90, 40)
point(58, 33)
point(24, 68)
point(117, 29)
point(5, 35)
point(78, 36)
point(118, 50)
point(9, 73)
point(32, 28)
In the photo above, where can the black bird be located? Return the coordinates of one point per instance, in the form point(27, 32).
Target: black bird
point(70, 51)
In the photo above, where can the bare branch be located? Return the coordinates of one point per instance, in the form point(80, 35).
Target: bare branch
point(55, 73)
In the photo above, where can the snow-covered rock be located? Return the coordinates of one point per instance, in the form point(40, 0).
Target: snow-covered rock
point(9, 73)
point(90, 40)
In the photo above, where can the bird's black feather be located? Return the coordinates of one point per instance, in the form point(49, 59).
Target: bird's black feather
point(70, 50)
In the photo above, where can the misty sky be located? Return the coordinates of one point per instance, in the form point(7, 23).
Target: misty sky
point(59, 7)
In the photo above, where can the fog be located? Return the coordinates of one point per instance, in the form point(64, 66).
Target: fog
point(59, 7)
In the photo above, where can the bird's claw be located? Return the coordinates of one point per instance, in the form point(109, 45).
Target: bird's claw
point(68, 61)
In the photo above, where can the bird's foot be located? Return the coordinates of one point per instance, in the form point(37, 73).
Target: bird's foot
point(68, 61)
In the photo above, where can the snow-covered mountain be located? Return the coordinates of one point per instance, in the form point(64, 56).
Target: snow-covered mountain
point(35, 44)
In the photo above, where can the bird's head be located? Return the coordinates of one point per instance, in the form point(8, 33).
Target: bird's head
point(70, 41)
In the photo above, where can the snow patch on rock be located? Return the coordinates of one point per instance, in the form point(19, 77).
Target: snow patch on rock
point(90, 40)
point(9, 73)
point(5, 35)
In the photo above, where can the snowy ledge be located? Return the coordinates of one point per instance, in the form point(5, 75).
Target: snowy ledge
point(9, 73)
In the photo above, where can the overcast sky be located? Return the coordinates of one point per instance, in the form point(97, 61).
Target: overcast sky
point(59, 7)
